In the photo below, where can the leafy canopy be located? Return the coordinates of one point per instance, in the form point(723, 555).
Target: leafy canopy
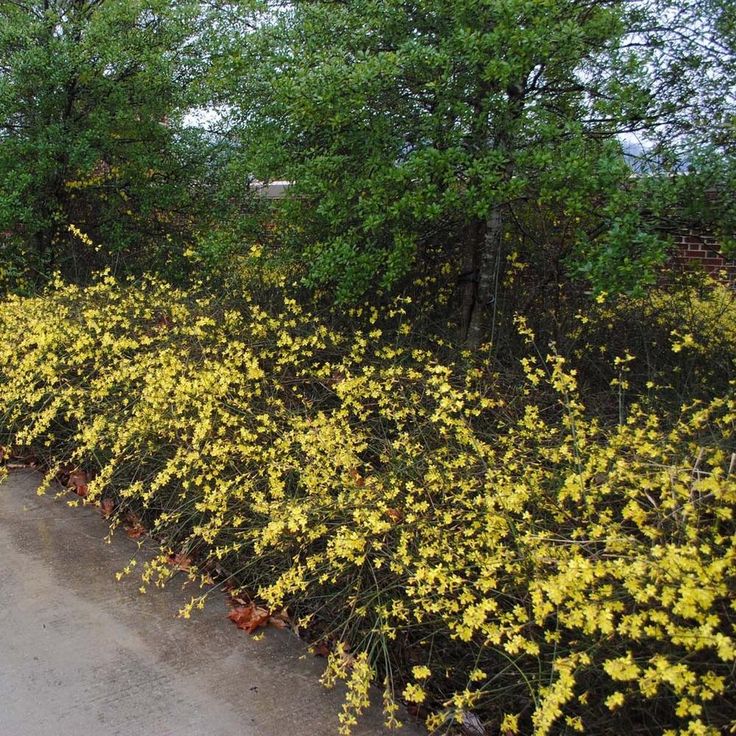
point(92, 100)
point(403, 124)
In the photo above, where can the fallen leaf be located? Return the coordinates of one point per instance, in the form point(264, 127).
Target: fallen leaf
point(395, 515)
point(472, 725)
point(358, 479)
point(321, 649)
point(133, 526)
point(280, 620)
point(336, 377)
point(250, 617)
point(62, 474)
point(135, 532)
point(107, 506)
point(164, 322)
point(77, 482)
point(18, 460)
point(180, 562)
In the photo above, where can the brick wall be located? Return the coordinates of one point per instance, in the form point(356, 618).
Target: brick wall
point(695, 249)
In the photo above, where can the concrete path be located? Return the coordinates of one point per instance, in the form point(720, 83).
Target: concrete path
point(84, 655)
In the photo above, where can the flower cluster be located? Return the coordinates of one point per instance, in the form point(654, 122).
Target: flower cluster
point(476, 548)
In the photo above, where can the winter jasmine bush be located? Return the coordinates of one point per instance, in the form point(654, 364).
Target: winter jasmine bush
point(474, 545)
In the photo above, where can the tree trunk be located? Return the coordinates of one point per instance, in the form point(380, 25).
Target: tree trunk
point(468, 280)
point(488, 275)
point(44, 246)
point(490, 260)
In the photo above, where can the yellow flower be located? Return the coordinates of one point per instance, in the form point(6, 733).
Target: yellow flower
point(510, 724)
point(414, 693)
point(615, 700)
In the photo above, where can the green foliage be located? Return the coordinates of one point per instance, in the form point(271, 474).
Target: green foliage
point(92, 99)
point(406, 125)
point(389, 117)
point(545, 542)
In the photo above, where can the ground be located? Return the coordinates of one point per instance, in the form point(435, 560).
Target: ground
point(81, 653)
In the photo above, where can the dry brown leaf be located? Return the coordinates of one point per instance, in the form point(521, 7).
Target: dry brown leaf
point(281, 619)
point(321, 649)
point(133, 526)
point(77, 482)
point(472, 725)
point(250, 617)
point(18, 459)
point(180, 562)
point(336, 377)
point(135, 532)
point(395, 515)
point(358, 479)
point(164, 322)
point(107, 507)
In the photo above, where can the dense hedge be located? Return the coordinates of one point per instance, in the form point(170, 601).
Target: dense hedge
point(478, 548)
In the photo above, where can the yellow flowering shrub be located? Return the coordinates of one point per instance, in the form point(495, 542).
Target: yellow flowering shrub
point(477, 546)
point(680, 337)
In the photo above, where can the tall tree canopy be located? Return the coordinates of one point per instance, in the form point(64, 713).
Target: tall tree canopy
point(412, 128)
point(96, 165)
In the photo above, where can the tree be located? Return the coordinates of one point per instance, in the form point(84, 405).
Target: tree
point(96, 166)
point(408, 126)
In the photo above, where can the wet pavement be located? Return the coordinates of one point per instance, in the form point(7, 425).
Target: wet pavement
point(82, 654)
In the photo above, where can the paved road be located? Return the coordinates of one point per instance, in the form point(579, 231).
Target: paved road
point(84, 655)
